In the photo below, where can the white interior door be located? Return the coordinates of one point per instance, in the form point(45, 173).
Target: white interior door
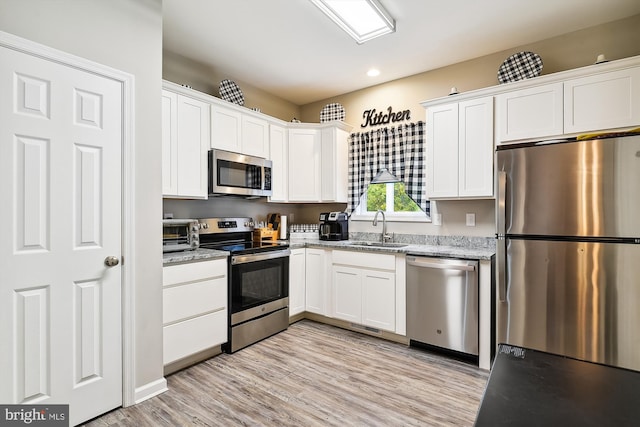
point(60, 168)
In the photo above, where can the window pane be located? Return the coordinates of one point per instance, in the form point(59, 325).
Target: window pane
point(401, 201)
point(376, 197)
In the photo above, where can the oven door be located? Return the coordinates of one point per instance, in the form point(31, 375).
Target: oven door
point(259, 283)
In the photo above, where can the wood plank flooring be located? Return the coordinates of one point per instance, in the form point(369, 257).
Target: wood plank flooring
point(315, 375)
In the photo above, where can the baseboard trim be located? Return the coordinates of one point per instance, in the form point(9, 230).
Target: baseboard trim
point(150, 390)
point(389, 336)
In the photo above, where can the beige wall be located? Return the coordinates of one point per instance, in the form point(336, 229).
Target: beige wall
point(204, 78)
point(618, 39)
point(126, 35)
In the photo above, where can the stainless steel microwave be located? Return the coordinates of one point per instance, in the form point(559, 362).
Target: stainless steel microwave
point(238, 174)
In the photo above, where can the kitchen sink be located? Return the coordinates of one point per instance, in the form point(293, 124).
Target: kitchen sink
point(379, 244)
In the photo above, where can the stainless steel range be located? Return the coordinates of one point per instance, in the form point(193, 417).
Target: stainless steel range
point(258, 289)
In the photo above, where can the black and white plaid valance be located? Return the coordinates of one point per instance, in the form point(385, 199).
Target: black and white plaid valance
point(401, 150)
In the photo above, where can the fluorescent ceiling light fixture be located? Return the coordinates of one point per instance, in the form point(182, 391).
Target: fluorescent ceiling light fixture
point(361, 19)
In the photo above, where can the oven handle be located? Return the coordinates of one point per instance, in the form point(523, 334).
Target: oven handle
point(243, 259)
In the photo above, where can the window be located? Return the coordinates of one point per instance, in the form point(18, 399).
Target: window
point(392, 199)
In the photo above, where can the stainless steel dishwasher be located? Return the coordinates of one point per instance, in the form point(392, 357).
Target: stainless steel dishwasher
point(442, 303)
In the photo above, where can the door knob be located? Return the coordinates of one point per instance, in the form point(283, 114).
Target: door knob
point(111, 261)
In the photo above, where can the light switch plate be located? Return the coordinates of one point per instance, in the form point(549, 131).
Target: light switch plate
point(471, 220)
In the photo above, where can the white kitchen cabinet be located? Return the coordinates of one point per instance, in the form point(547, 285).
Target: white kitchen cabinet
point(169, 143)
point(334, 165)
point(460, 149)
point(318, 160)
point(535, 112)
point(185, 142)
point(194, 308)
point(364, 289)
point(602, 101)
point(317, 278)
point(297, 281)
point(255, 136)
point(347, 293)
point(226, 129)
point(232, 130)
point(305, 153)
point(378, 299)
point(278, 154)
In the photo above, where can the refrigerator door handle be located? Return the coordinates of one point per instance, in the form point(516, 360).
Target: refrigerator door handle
point(501, 275)
point(501, 210)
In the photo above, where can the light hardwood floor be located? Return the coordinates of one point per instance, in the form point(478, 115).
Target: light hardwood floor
point(315, 375)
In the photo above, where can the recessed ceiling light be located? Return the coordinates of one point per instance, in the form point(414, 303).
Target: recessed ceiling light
point(361, 19)
point(373, 72)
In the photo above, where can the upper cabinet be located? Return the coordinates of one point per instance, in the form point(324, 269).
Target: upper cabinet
point(255, 136)
point(310, 160)
point(231, 130)
point(334, 154)
point(226, 128)
point(460, 129)
point(318, 163)
point(602, 97)
point(185, 142)
point(530, 113)
point(304, 165)
point(603, 101)
point(278, 153)
point(460, 149)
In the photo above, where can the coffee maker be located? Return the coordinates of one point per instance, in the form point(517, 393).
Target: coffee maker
point(334, 226)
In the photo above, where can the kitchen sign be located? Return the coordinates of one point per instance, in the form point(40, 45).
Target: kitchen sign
point(376, 118)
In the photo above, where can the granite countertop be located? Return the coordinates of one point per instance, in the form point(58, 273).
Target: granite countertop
point(200, 254)
point(477, 249)
point(467, 250)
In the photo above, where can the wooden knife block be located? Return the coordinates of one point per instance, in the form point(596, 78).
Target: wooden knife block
point(262, 234)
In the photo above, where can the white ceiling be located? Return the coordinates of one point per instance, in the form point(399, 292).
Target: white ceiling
point(290, 49)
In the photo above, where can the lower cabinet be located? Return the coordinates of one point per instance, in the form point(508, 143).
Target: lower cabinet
point(297, 281)
point(194, 308)
point(364, 289)
point(317, 279)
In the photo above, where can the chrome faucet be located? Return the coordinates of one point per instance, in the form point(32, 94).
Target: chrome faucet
point(384, 236)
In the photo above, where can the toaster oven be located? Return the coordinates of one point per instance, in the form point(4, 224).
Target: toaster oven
point(180, 235)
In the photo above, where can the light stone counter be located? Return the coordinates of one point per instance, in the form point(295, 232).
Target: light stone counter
point(479, 248)
point(191, 256)
point(456, 247)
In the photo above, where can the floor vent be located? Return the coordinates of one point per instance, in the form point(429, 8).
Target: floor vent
point(366, 328)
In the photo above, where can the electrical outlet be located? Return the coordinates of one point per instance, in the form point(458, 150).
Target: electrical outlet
point(471, 220)
point(437, 219)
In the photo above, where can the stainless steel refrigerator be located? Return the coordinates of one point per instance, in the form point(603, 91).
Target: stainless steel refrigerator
point(568, 248)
